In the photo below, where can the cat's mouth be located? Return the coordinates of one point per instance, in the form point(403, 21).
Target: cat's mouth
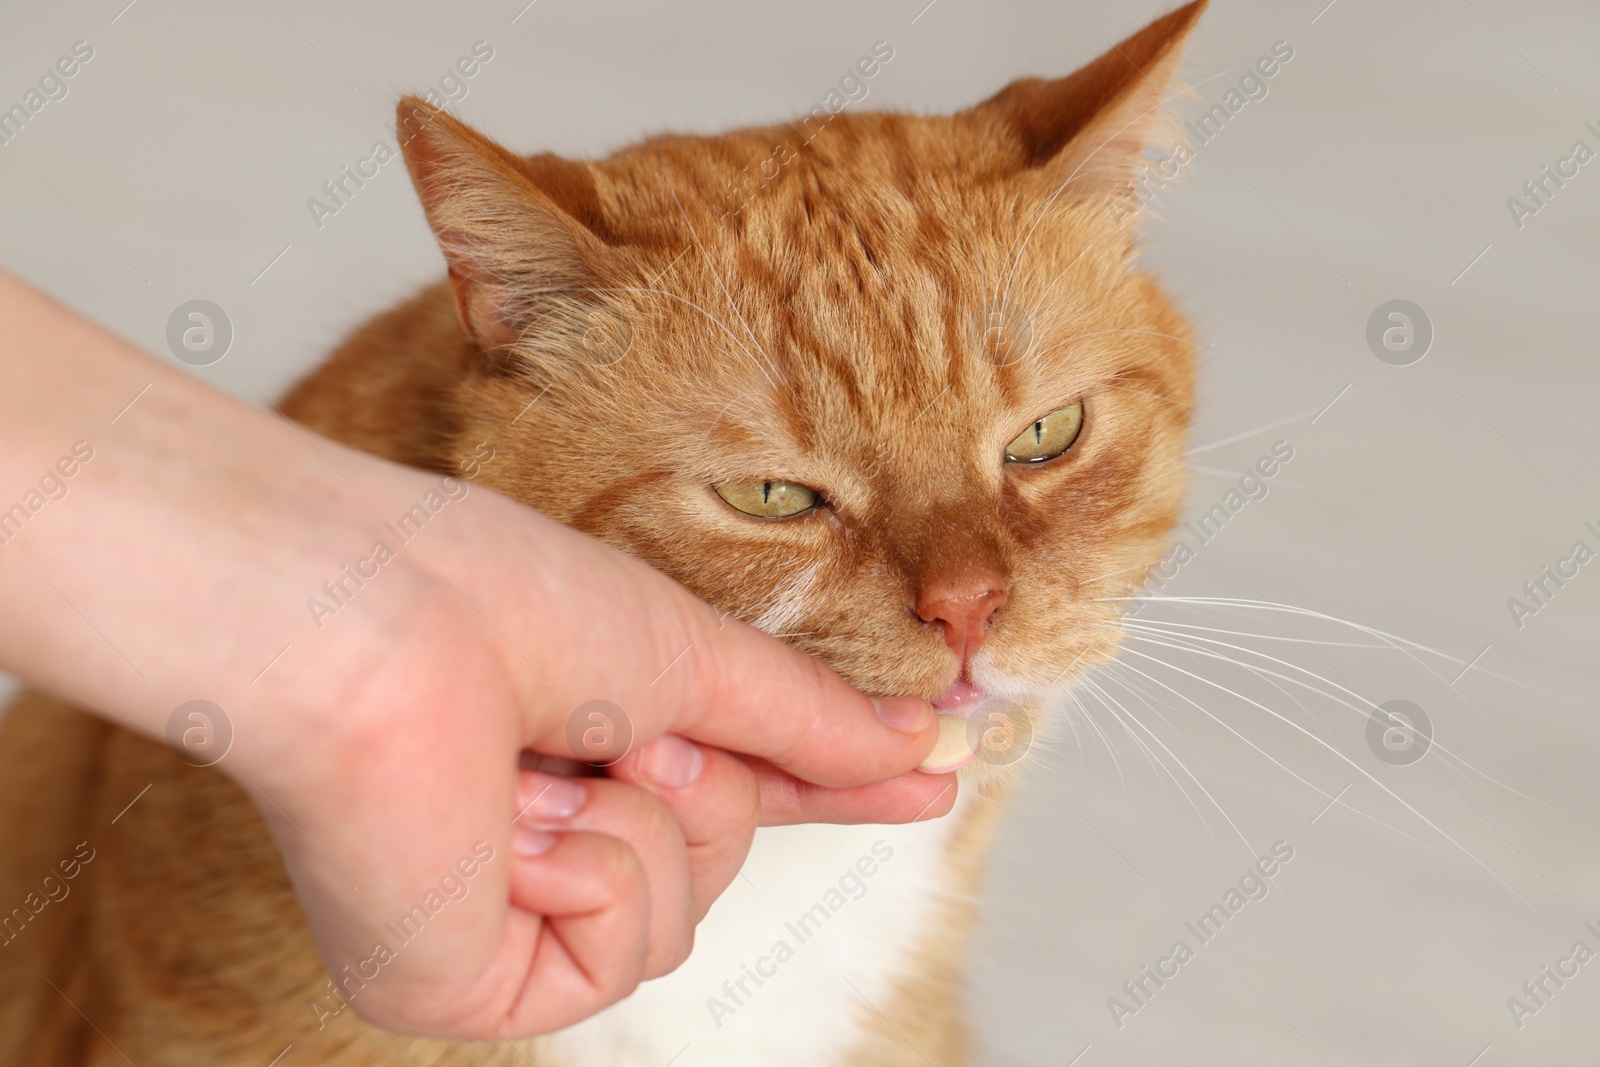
point(977, 726)
point(962, 698)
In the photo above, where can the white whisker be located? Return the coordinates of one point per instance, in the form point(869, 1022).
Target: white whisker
point(1400, 644)
point(1346, 759)
point(1141, 630)
point(1089, 719)
point(1251, 433)
point(1174, 624)
point(1195, 643)
point(1198, 784)
point(1144, 632)
point(1110, 706)
point(1257, 748)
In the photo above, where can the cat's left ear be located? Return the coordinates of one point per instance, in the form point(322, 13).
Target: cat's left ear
point(518, 258)
point(1086, 132)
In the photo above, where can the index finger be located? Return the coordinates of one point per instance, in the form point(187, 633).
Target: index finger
point(617, 629)
point(750, 693)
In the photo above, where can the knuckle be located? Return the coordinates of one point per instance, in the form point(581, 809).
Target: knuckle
point(616, 873)
point(656, 821)
point(682, 944)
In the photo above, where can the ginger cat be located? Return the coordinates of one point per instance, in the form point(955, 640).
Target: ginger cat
point(892, 387)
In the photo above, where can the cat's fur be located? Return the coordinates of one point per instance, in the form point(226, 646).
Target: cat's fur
point(822, 326)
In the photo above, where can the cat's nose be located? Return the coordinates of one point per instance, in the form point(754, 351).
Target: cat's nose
point(962, 608)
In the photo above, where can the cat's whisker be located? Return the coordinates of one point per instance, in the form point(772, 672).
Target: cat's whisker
point(1115, 704)
point(1061, 345)
point(1391, 640)
point(1015, 256)
point(1073, 725)
point(1141, 632)
point(1285, 421)
point(1110, 749)
point(1445, 753)
point(1113, 574)
point(1251, 744)
point(1195, 644)
point(1400, 644)
point(1106, 702)
point(724, 410)
point(1142, 392)
point(1051, 284)
point(1112, 672)
point(1172, 624)
point(1109, 670)
point(1144, 633)
point(1342, 757)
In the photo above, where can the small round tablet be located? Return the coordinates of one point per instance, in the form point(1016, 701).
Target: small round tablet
point(954, 748)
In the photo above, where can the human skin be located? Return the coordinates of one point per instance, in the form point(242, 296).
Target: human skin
point(383, 745)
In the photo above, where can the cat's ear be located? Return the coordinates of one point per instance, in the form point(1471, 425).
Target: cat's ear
point(517, 255)
point(1089, 128)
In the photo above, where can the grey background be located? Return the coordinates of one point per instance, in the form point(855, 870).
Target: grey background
point(1379, 166)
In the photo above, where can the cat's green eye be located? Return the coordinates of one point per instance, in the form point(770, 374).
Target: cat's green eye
point(768, 500)
point(1048, 437)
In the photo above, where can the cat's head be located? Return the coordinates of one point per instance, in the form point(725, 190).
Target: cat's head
point(892, 387)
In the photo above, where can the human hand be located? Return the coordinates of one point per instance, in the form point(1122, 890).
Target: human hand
point(381, 740)
point(517, 622)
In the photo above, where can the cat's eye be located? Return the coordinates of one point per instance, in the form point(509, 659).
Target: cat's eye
point(768, 500)
point(1048, 437)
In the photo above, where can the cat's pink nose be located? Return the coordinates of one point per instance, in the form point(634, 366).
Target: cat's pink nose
point(963, 608)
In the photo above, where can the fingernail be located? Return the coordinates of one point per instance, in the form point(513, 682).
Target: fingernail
point(530, 843)
point(545, 796)
point(906, 714)
point(671, 761)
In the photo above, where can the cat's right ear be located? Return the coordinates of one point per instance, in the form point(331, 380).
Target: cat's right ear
point(517, 258)
point(1085, 133)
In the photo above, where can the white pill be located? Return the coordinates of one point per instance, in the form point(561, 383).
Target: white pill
point(954, 748)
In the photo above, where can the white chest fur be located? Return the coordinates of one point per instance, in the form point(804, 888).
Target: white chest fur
point(790, 961)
